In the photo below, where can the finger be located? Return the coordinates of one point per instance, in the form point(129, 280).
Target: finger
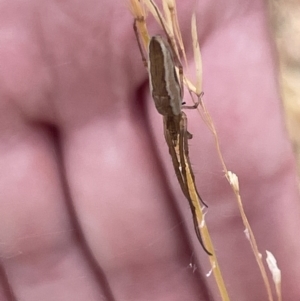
point(40, 252)
point(241, 95)
point(123, 205)
point(41, 255)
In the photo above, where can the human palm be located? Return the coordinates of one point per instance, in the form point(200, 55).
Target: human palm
point(90, 206)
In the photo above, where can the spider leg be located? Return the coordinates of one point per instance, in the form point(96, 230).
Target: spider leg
point(184, 152)
point(198, 231)
point(195, 105)
point(184, 159)
point(175, 161)
point(139, 43)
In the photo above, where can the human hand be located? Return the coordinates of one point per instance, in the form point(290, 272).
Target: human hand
point(90, 205)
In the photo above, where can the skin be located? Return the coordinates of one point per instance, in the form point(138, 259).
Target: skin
point(90, 206)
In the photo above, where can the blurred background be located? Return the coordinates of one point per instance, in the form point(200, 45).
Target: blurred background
point(285, 18)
